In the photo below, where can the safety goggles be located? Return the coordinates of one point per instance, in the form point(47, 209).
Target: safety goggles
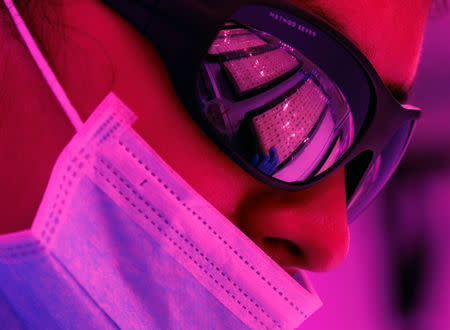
point(280, 91)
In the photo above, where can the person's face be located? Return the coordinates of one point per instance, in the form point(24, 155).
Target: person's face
point(308, 228)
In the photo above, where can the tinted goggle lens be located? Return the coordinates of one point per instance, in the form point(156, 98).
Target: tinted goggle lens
point(380, 170)
point(282, 94)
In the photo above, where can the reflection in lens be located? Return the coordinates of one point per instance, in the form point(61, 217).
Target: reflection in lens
point(230, 42)
point(273, 105)
point(288, 124)
point(258, 70)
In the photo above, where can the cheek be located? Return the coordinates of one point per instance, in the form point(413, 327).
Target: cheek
point(167, 126)
point(142, 82)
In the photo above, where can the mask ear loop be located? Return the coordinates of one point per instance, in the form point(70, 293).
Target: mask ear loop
point(41, 62)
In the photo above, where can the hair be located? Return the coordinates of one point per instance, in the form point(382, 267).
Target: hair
point(61, 44)
point(439, 7)
point(443, 3)
point(43, 17)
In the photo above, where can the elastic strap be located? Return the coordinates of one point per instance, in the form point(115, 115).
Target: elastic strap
point(45, 69)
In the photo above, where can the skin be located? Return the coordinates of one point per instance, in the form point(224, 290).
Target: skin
point(99, 52)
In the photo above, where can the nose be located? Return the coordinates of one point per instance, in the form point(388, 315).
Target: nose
point(306, 229)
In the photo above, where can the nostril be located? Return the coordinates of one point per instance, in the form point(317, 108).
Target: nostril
point(283, 244)
point(283, 251)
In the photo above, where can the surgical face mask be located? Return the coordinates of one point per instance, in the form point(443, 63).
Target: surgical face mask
point(120, 240)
